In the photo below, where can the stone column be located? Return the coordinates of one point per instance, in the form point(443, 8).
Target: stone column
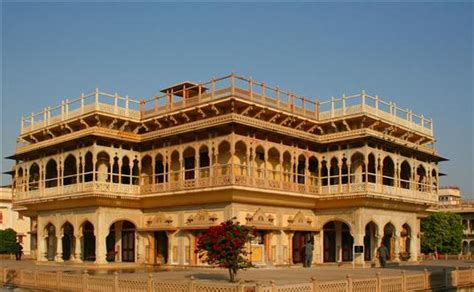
point(100, 251)
point(396, 250)
point(77, 248)
point(170, 235)
point(359, 257)
point(42, 251)
point(413, 247)
point(290, 247)
point(377, 242)
point(59, 247)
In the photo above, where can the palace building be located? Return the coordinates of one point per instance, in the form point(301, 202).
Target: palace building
point(110, 179)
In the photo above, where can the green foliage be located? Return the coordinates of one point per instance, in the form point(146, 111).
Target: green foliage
point(7, 241)
point(442, 232)
point(224, 245)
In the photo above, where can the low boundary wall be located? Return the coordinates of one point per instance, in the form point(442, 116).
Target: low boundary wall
point(113, 283)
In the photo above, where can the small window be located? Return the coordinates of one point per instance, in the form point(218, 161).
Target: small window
point(20, 239)
point(20, 216)
point(1, 217)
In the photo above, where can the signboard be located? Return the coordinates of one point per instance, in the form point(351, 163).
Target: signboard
point(358, 249)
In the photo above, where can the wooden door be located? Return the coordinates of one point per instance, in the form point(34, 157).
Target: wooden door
point(128, 246)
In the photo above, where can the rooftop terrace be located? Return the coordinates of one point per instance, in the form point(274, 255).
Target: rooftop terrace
point(189, 94)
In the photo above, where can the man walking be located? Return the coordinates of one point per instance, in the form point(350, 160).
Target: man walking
point(308, 254)
point(382, 254)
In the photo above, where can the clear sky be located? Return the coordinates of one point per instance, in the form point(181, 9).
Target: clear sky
point(419, 55)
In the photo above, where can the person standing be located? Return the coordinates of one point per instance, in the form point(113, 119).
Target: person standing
point(382, 254)
point(18, 251)
point(308, 254)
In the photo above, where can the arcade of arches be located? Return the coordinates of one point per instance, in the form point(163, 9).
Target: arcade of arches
point(115, 235)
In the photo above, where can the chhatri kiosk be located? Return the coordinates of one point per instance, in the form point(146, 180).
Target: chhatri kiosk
point(111, 179)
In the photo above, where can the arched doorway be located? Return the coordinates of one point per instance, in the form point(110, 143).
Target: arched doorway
point(337, 242)
point(300, 238)
point(88, 242)
point(51, 242)
point(370, 241)
point(389, 239)
point(120, 242)
point(67, 241)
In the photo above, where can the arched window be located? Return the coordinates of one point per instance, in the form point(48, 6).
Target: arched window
point(51, 179)
point(125, 170)
point(388, 172)
point(405, 175)
point(34, 177)
point(70, 170)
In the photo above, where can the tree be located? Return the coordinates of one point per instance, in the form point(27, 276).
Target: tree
point(442, 232)
point(224, 245)
point(7, 241)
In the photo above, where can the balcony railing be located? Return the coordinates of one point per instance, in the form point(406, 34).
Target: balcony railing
point(227, 86)
point(93, 102)
point(224, 175)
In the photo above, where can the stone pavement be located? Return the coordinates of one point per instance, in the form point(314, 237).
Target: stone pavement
point(281, 275)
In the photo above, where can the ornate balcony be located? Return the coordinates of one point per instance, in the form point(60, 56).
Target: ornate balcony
point(232, 175)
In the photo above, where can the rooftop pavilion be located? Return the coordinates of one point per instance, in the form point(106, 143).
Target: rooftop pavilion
point(189, 94)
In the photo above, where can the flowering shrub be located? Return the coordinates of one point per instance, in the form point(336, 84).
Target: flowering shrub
point(224, 245)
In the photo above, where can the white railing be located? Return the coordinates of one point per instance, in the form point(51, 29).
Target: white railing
point(227, 86)
point(70, 109)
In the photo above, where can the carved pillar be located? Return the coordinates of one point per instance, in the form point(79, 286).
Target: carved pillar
point(77, 247)
point(59, 174)
point(247, 160)
point(197, 167)
point(41, 180)
point(358, 240)
point(349, 174)
point(339, 174)
point(290, 247)
point(41, 244)
point(306, 171)
point(59, 246)
point(396, 250)
point(94, 165)
point(377, 241)
point(232, 156)
point(170, 235)
point(100, 251)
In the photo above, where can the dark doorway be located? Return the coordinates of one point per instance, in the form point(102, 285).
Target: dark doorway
point(329, 242)
point(88, 242)
point(347, 243)
point(161, 247)
point(67, 241)
point(299, 240)
point(128, 242)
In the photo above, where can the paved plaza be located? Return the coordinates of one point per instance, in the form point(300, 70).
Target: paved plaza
point(281, 275)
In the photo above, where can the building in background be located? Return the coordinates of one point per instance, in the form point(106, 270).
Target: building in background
point(10, 218)
point(450, 201)
point(110, 179)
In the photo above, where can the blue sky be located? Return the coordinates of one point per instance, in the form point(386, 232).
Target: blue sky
point(418, 55)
